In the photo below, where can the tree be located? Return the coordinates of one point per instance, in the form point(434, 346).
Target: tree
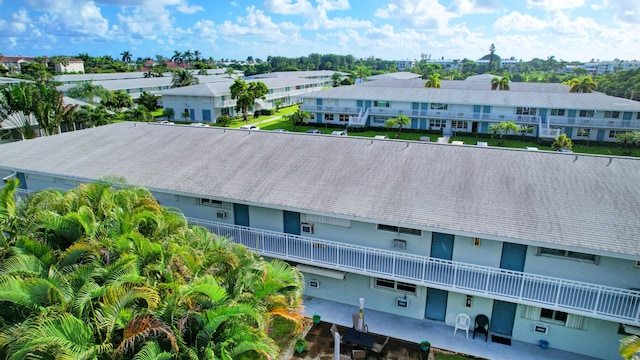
point(246, 94)
point(500, 83)
point(399, 121)
point(229, 72)
point(168, 113)
point(630, 348)
point(138, 113)
point(503, 129)
point(126, 56)
point(492, 51)
point(92, 116)
point(434, 81)
point(118, 100)
point(362, 73)
point(149, 100)
point(223, 120)
point(629, 139)
point(87, 90)
point(562, 142)
point(177, 57)
point(585, 84)
point(335, 79)
point(299, 118)
point(278, 104)
point(183, 77)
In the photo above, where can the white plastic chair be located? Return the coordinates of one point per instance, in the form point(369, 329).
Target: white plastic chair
point(463, 321)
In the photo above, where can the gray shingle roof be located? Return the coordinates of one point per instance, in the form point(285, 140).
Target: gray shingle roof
point(552, 96)
point(536, 197)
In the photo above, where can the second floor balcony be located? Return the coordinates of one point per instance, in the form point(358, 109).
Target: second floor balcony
point(594, 122)
point(593, 300)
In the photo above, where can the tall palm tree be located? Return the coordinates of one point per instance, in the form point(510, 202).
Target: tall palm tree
point(399, 121)
point(434, 81)
point(177, 57)
point(183, 77)
point(126, 56)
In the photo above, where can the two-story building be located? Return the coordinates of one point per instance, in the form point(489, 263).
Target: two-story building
point(545, 244)
point(542, 110)
point(206, 102)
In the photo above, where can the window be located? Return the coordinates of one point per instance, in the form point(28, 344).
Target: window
point(381, 103)
point(587, 113)
point(396, 285)
point(553, 316)
point(457, 124)
point(436, 123)
point(436, 106)
point(400, 230)
point(638, 116)
point(211, 202)
point(344, 117)
point(573, 255)
point(611, 114)
point(557, 112)
point(615, 133)
point(527, 129)
point(525, 111)
point(328, 117)
point(584, 132)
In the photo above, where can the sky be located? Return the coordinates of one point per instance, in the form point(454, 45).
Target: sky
point(571, 30)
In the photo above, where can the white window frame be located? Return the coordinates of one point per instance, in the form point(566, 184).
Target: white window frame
point(568, 255)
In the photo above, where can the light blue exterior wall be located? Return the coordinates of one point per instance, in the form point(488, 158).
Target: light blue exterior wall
point(487, 254)
point(600, 339)
point(609, 271)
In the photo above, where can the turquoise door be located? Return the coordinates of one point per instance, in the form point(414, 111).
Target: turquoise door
point(192, 114)
point(291, 222)
point(436, 304)
point(442, 246)
point(241, 214)
point(513, 256)
point(502, 317)
point(206, 115)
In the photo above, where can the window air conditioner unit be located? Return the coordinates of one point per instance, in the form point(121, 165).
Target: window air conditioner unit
point(402, 302)
point(307, 228)
point(221, 215)
point(540, 328)
point(399, 244)
point(313, 283)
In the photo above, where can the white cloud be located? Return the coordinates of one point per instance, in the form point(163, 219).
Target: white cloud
point(551, 5)
point(602, 6)
point(186, 9)
point(330, 5)
point(463, 7)
point(428, 14)
point(289, 7)
point(256, 23)
point(516, 21)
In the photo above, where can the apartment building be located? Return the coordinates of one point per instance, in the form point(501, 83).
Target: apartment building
point(545, 244)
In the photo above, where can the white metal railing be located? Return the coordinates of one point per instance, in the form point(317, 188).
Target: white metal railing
point(327, 108)
point(549, 133)
point(594, 122)
point(610, 303)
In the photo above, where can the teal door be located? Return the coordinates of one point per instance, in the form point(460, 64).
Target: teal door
point(502, 317)
point(513, 256)
point(291, 222)
point(436, 304)
point(192, 114)
point(206, 115)
point(442, 246)
point(241, 214)
point(22, 180)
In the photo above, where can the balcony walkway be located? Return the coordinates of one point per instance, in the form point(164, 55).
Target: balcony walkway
point(438, 334)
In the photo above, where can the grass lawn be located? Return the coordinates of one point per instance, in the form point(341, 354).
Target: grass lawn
point(445, 356)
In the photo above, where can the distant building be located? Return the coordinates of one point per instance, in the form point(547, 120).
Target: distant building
point(14, 64)
point(404, 65)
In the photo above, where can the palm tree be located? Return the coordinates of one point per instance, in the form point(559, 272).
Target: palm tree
point(87, 90)
point(188, 56)
point(183, 77)
point(229, 72)
point(299, 118)
point(138, 113)
point(362, 72)
point(500, 83)
point(434, 81)
point(492, 50)
point(177, 57)
point(399, 121)
point(503, 129)
point(585, 84)
point(126, 56)
point(562, 142)
point(196, 55)
point(630, 348)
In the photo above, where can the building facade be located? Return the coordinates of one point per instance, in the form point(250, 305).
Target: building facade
point(541, 110)
point(545, 244)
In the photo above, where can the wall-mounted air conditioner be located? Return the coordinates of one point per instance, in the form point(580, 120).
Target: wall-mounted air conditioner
point(399, 244)
point(313, 283)
point(402, 302)
point(221, 215)
point(540, 328)
point(306, 227)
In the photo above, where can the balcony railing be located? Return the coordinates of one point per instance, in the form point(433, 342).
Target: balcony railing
point(430, 114)
point(592, 122)
point(609, 303)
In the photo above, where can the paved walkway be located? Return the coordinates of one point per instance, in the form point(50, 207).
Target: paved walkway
point(440, 335)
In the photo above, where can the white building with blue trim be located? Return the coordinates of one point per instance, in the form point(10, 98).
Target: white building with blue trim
point(541, 109)
point(543, 243)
